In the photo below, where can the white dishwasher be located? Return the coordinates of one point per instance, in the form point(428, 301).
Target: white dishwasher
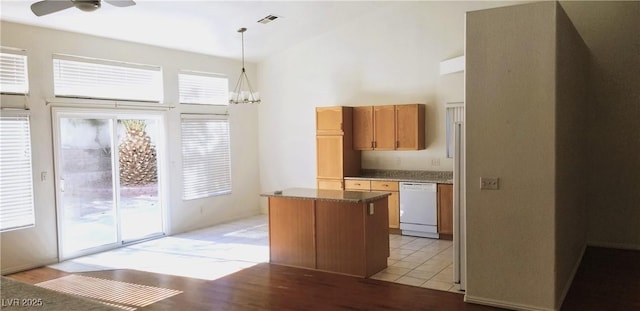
point(418, 209)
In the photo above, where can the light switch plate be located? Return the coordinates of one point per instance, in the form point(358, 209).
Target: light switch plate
point(489, 183)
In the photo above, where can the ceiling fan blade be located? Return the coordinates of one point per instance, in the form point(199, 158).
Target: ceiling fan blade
point(120, 3)
point(50, 6)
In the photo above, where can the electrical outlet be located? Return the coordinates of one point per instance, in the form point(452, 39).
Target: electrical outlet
point(435, 162)
point(489, 183)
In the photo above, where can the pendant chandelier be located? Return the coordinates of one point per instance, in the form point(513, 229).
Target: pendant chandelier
point(243, 93)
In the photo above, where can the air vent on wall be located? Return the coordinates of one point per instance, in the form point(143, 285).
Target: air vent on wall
point(268, 19)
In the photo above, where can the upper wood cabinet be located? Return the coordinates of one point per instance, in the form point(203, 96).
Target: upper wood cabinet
point(384, 127)
point(363, 128)
point(410, 123)
point(332, 120)
point(392, 127)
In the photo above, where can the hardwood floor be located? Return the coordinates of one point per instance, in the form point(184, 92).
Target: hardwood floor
point(608, 279)
point(273, 287)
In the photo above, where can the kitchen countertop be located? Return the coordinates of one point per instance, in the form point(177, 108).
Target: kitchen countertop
point(328, 195)
point(441, 177)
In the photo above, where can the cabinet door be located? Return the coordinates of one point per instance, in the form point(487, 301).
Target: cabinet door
point(330, 184)
point(445, 209)
point(394, 210)
point(329, 120)
point(410, 123)
point(384, 127)
point(394, 200)
point(329, 152)
point(363, 128)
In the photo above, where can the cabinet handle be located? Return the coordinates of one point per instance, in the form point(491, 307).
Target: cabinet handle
point(397, 144)
point(357, 184)
point(374, 144)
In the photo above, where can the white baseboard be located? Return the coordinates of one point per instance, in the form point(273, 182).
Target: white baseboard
point(628, 246)
point(567, 286)
point(502, 304)
point(29, 266)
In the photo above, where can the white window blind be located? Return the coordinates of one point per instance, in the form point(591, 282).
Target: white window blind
point(455, 114)
point(13, 71)
point(203, 88)
point(206, 160)
point(92, 78)
point(16, 179)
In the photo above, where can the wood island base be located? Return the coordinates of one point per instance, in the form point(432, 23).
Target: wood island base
point(346, 235)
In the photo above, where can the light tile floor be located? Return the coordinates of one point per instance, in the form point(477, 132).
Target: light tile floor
point(217, 251)
point(419, 262)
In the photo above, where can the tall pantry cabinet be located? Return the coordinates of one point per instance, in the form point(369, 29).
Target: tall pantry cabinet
point(336, 157)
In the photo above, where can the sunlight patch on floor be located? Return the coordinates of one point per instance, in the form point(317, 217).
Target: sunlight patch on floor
point(127, 296)
point(206, 254)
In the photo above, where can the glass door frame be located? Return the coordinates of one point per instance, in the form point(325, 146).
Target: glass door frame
point(114, 115)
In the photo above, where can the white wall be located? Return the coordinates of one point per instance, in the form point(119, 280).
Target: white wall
point(510, 134)
point(27, 248)
point(390, 56)
point(527, 78)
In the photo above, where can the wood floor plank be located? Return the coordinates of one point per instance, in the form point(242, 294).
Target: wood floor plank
point(274, 287)
point(607, 279)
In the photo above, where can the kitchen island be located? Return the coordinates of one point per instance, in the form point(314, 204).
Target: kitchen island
point(331, 230)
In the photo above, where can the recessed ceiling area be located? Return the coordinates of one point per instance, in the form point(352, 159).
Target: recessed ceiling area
point(208, 27)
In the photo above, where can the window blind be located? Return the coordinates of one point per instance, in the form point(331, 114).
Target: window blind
point(13, 72)
point(91, 78)
point(16, 179)
point(455, 114)
point(206, 160)
point(202, 88)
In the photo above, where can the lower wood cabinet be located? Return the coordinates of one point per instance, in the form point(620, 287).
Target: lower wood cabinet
point(445, 210)
point(384, 186)
point(357, 185)
point(330, 184)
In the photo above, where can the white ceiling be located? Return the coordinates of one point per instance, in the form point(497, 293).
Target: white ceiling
point(208, 27)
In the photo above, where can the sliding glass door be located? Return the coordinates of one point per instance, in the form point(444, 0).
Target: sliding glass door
point(141, 215)
point(107, 180)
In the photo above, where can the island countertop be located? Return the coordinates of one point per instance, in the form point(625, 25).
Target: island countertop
point(328, 195)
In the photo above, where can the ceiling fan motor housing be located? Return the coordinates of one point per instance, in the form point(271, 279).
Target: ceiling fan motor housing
point(87, 5)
